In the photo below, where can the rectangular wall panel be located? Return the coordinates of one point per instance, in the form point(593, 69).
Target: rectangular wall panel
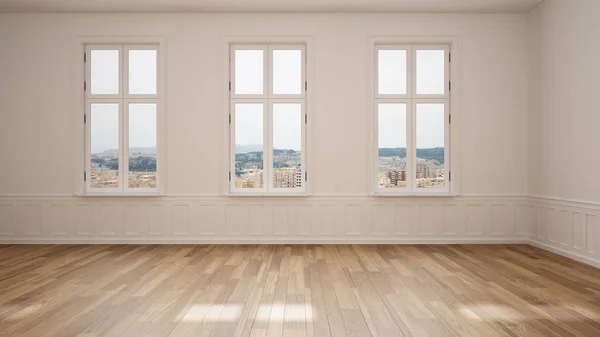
point(578, 232)
point(109, 220)
point(304, 214)
point(237, 219)
point(281, 220)
point(31, 220)
point(475, 219)
point(83, 219)
point(7, 220)
point(257, 218)
point(552, 225)
point(502, 219)
point(382, 219)
point(355, 220)
point(534, 222)
point(134, 224)
point(181, 219)
point(402, 216)
point(327, 218)
point(565, 225)
point(543, 224)
point(55, 220)
point(522, 218)
point(450, 220)
point(430, 220)
point(207, 220)
point(591, 231)
point(156, 223)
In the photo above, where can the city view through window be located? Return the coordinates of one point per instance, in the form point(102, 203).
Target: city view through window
point(398, 103)
point(287, 146)
point(106, 114)
point(392, 155)
point(105, 146)
point(272, 126)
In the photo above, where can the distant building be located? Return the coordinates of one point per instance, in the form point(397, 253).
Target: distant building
point(423, 170)
point(287, 177)
point(395, 177)
point(252, 179)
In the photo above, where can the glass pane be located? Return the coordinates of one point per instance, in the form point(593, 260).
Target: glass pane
point(104, 72)
point(287, 145)
point(142, 72)
point(431, 72)
point(431, 120)
point(142, 146)
point(104, 122)
point(249, 72)
point(392, 165)
point(287, 72)
point(248, 145)
point(391, 72)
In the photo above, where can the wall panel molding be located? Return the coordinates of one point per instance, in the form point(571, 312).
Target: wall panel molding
point(561, 226)
point(222, 219)
point(566, 227)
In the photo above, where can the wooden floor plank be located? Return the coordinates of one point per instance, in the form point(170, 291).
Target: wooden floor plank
point(295, 290)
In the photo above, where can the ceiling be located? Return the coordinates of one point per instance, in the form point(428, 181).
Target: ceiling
point(253, 6)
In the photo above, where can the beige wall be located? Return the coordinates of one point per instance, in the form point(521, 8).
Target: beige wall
point(569, 115)
point(564, 129)
point(36, 95)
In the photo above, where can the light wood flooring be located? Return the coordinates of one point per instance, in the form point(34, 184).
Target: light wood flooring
point(295, 290)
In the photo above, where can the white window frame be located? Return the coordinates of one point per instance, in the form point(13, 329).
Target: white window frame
point(411, 99)
point(82, 104)
point(267, 98)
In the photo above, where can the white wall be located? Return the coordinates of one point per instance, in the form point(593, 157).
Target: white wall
point(36, 102)
point(36, 123)
point(570, 118)
point(566, 125)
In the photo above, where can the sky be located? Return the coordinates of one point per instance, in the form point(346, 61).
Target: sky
point(392, 79)
point(287, 79)
point(104, 123)
point(105, 117)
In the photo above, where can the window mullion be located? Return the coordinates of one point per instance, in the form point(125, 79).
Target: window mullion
point(410, 146)
point(268, 147)
point(123, 135)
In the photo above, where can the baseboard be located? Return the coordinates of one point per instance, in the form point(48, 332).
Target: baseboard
point(295, 240)
point(563, 252)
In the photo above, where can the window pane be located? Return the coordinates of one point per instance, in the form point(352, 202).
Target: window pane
point(104, 122)
point(392, 165)
point(248, 145)
point(249, 72)
point(287, 145)
point(287, 72)
point(431, 72)
point(391, 72)
point(142, 72)
point(142, 146)
point(104, 72)
point(431, 120)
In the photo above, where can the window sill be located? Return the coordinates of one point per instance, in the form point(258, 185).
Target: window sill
point(299, 194)
point(137, 194)
point(415, 194)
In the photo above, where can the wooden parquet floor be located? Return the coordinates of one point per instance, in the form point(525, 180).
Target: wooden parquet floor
point(295, 290)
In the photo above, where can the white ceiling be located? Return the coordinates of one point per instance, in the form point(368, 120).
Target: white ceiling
point(245, 6)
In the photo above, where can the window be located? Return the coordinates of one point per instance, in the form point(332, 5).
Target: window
point(122, 104)
point(412, 102)
point(267, 118)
